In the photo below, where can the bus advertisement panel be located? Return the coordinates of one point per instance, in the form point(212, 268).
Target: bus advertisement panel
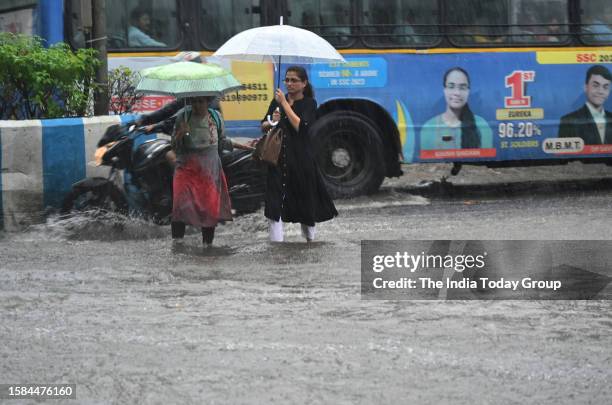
point(511, 103)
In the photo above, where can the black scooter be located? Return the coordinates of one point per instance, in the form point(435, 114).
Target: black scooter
point(147, 187)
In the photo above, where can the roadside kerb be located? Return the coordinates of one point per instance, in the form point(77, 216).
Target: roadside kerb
point(40, 159)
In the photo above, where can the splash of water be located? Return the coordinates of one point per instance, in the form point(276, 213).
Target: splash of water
point(97, 225)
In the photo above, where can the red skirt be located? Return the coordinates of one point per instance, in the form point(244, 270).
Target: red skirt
point(200, 196)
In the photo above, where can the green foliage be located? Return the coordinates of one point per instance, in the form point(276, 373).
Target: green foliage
point(123, 96)
point(39, 82)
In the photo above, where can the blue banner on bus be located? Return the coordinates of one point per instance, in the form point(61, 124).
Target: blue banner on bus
point(359, 73)
point(485, 106)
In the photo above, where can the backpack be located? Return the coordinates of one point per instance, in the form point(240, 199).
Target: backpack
point(218, 123)
point(215, 115)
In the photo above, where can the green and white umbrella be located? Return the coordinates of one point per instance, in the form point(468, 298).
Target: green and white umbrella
point(187, 79)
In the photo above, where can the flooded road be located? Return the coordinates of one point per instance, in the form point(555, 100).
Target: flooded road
point(114, 307)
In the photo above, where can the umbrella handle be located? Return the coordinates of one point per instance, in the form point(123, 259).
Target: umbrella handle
point(273, 123)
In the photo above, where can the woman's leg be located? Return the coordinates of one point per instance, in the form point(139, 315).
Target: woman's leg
point(208, 234)
point(178, 230)
point(308, 232)
point(276, 230)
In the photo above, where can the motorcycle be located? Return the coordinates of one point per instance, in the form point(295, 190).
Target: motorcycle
point(147, 187)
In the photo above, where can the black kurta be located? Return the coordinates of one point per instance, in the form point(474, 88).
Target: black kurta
point(295, 190)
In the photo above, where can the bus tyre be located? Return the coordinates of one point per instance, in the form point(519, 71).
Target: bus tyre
point(94, 199)
point(349, 152)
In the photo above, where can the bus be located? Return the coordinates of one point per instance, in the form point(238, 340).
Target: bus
point(483, 82)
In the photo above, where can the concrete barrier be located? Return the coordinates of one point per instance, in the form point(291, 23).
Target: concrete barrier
point(41, 159)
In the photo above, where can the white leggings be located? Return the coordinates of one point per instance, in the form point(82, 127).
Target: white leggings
point(276, 231)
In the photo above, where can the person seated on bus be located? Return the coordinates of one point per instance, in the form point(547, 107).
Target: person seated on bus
point(596, 30)
point(551, 31)
point(137, 32)
point(540, 25)
point(457, 127)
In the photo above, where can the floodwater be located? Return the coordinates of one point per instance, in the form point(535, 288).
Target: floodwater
point(111, 305)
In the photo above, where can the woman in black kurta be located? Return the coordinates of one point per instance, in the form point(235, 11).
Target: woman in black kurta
point(295, 190)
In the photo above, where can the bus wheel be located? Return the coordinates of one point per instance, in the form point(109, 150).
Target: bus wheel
point(349, 152)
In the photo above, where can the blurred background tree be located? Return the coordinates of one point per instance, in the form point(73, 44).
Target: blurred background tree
point(123, 95)
point(38, 82)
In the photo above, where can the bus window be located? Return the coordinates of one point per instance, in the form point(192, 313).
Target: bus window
point(378, 20)
point(220, 20)
point(400, 23)
point(76, 27)
point(596, 19)
point(477, 22)
point(304, 14)
point(139, 24)
point(539, 22)
point(330, 19)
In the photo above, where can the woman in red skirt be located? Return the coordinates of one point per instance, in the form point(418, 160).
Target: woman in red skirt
point(200, 196)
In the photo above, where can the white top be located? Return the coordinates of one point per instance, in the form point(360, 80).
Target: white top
point(600, 120)
point(138, 38)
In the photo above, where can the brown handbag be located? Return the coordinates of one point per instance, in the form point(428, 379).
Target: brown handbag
point(268, 148)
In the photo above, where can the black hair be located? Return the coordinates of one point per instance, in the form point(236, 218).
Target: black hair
point(301, 73)
point(137, 13)
point(470, 135)
point(598, 70)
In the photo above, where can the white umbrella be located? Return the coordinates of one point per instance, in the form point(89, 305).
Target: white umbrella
point(278, 43)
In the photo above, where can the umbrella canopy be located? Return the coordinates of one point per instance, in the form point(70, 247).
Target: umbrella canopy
point(187, 79)
point(279, 42)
